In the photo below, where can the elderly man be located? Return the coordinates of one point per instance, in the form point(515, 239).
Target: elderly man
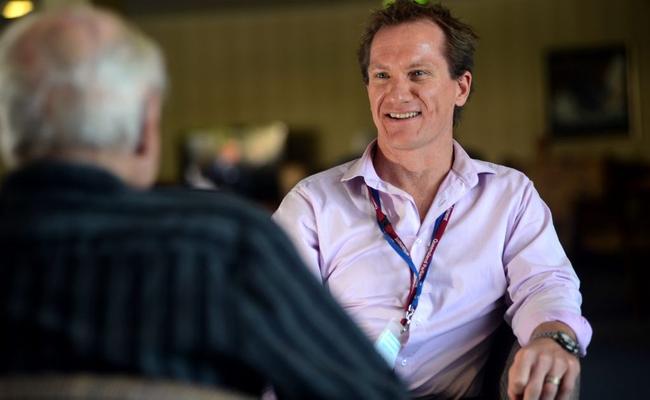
point(98, 275)
point(424, 246)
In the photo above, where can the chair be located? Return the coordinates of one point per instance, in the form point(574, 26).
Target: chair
point(105, 387)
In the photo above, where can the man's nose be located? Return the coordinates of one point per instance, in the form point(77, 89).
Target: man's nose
point(400, 90)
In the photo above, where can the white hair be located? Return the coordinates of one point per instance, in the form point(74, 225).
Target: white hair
point(67, 82)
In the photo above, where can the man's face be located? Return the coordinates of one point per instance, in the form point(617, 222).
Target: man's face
point(412, 95)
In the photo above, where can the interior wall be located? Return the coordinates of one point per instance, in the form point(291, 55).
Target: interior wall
point(507, 116)
point(298, 65)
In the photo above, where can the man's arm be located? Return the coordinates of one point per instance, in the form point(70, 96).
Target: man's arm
point(297, 218)
point(543, 289)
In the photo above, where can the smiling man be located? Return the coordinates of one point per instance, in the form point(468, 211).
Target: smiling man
point(428, 249)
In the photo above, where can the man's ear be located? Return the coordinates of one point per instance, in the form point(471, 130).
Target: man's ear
point(146, 155)
point(464, 86)
point(150, 130)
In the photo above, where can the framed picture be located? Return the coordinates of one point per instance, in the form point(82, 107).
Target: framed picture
point(588, 92)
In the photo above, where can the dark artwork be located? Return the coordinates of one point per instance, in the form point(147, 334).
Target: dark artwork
point(588, 92)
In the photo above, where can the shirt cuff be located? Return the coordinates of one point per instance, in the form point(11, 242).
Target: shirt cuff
point(578, 323)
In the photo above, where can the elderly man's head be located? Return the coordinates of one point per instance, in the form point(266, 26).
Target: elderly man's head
point(81, 84)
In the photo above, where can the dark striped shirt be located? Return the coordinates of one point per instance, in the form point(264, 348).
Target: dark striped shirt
point(193, 286)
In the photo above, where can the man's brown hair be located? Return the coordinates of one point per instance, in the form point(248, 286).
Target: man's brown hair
point(459, 44)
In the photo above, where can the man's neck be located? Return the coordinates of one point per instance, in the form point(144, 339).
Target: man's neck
point(418, 172)
point(122, 164)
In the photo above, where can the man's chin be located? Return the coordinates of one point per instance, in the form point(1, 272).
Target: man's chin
point(403, 141)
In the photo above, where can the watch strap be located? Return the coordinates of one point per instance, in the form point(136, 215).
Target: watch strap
point(563, 339)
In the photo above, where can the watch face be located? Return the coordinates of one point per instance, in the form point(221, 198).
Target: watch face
point(568, 343)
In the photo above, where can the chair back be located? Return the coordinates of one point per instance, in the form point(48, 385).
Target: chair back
point(100, 387)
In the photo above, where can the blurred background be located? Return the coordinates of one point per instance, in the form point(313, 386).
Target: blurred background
point(264, 92)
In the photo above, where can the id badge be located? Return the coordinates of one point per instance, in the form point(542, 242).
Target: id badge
point(389, 342)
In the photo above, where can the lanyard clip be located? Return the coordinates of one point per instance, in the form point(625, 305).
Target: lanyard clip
point(406, 321)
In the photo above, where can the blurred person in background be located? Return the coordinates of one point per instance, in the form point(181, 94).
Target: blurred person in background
point(100, 275)
point(426, 247)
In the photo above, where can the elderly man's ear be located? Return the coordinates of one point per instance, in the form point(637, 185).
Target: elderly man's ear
point(147, 153)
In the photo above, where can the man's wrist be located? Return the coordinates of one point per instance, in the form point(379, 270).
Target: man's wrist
point(561, 338)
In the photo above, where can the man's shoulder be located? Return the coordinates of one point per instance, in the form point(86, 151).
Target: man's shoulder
point(162, 214)
point(326, 177)
point(326, 182)
point(197, 207)
point(498, 173)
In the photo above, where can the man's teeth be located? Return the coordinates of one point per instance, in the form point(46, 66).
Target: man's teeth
point(404, 115)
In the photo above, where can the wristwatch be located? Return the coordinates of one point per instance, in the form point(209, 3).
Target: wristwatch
point(562, 339)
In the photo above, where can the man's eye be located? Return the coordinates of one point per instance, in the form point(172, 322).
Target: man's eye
point(418, 73)
point(381, 75)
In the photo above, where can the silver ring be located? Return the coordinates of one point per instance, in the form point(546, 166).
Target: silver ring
point(555, 380)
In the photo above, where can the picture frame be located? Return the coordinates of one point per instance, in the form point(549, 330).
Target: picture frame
point(588, 92)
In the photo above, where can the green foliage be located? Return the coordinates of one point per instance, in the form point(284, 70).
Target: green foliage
point(389, 2)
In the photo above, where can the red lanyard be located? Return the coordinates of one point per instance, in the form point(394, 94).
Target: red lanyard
point(398, 245)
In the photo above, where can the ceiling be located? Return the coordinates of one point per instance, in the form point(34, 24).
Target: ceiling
point(131, 7)
point(149, 7)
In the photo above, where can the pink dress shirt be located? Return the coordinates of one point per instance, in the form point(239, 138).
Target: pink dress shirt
point(500, 241)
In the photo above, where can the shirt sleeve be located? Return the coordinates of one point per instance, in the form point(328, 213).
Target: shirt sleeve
point(542, 285)
point(297, 217)
point(303, 340)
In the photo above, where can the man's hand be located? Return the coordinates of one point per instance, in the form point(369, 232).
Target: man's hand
point(543, 369)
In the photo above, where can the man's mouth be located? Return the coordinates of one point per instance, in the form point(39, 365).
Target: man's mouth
point(406, 115)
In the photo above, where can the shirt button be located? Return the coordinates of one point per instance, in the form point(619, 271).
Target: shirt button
point(404, 362)
point(418, 241)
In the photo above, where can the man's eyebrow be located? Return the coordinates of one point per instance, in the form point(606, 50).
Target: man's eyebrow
point(377, 66)
point(417, 64)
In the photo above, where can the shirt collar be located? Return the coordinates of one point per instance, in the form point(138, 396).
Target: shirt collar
point(464, 167)
point(363, 167)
